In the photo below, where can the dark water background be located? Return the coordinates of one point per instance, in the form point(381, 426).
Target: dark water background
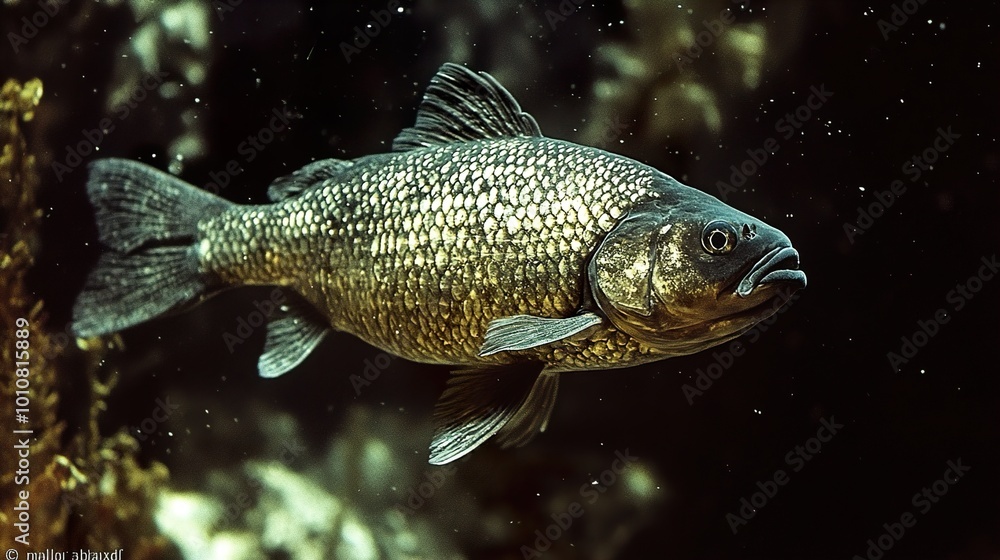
point(824, 358)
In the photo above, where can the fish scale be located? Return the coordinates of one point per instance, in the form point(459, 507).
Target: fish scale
point(383, 262)
point(477, 243)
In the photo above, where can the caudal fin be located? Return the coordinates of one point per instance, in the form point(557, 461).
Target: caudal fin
point(147, 222)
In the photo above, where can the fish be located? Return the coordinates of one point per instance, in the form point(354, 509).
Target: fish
point(476, 243)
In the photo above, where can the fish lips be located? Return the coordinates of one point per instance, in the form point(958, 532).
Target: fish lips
point(780, 264)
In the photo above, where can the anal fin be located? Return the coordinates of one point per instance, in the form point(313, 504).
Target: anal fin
point(509, 402)
point(533, 415)
point(292, 335)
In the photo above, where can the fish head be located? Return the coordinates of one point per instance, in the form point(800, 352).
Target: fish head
point(685, 274)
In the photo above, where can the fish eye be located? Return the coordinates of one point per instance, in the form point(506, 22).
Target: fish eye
point(719, 238)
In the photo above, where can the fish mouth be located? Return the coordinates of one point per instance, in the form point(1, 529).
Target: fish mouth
point(780, 264)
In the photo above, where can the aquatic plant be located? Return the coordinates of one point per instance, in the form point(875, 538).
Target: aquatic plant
point(76, 488)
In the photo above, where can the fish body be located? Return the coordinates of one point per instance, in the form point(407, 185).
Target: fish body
point(477, 243)
point(417, 252)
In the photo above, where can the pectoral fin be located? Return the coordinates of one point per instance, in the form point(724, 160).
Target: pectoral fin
point(520, 332)
point(292, 335)
point(508, 402)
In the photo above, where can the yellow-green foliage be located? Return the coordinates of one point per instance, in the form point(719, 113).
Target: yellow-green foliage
point(85, 491)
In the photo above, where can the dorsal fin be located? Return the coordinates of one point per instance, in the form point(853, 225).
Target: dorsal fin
point(462, 106)
point(291, 186)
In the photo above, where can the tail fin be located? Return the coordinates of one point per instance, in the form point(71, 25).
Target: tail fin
point(147, 221)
